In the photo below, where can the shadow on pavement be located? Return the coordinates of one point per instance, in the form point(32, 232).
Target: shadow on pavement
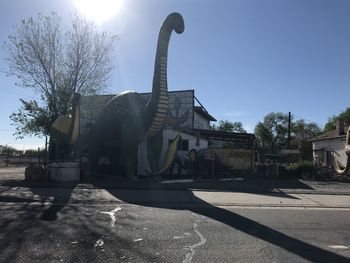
point(255, 229)
point(60, 198)
point(243, 224)
point(256, 186)
point(25, 237)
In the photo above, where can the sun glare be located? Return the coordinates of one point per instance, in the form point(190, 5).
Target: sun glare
point(99, 10)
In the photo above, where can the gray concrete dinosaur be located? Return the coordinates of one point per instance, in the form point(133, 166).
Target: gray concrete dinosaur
point(343, 170)
point(127, 120)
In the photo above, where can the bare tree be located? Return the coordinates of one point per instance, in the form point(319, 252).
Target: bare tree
point(56, 65)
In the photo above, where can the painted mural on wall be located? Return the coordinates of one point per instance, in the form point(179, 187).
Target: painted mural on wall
point(180, 111)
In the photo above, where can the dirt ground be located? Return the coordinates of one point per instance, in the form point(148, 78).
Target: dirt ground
point(11, 173)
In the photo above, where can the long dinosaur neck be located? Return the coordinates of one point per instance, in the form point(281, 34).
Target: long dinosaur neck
point(75, 124)
point(158, 104)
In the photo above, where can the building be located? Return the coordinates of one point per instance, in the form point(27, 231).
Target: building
point(324, 145)
point(187, 117)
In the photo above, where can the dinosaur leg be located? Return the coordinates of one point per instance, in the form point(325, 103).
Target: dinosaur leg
point(67, 152)
point(129, 150)
point(154, 149)
point(129, 158)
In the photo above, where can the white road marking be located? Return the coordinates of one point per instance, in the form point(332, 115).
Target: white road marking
point(112, 215)
point(338, 247)
point(232, 179)
point(99, 243)
point(177, 181)
point(178, 237)
point(192, 248)
point(138, 240)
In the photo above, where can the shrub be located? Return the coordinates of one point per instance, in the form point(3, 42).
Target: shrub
point(302, 169)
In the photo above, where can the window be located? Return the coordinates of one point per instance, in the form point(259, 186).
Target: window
point(183, 146)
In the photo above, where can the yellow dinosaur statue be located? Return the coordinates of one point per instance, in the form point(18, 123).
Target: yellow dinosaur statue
point(65, 131)
point(343, 170)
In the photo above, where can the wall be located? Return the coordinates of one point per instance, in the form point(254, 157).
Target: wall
point(332, 145)
point(200, 122)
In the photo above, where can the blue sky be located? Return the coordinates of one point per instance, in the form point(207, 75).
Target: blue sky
point(244, 58)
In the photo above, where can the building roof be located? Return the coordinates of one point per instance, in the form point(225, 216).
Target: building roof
point(201, 111)
point(333, 134)
point(223, 135)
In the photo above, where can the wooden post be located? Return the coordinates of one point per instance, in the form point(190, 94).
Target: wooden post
point(7, 156)
point(251, 146)
point(39, 155)
point(289, 124)
point(45, 162)
point(212, 169)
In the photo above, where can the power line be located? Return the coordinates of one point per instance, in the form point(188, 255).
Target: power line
point(308, 120)
point(16, 93)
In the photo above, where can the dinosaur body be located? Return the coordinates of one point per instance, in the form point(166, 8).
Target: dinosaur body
point(126, 120)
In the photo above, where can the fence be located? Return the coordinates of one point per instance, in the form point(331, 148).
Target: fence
point(21, 160)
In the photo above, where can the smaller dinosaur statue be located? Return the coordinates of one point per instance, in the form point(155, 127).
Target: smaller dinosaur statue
point(343, 170)
point(65, 132)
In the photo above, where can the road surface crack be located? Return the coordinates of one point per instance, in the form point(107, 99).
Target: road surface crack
point(192, 249)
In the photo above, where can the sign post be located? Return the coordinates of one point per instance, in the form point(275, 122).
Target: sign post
point(210, 155)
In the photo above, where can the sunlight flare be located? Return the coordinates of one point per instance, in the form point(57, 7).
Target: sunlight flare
point(99, 10)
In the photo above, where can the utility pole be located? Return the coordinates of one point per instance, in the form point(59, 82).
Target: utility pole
point(289, 121)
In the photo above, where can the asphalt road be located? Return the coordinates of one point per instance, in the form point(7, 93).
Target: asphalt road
point(116, 232)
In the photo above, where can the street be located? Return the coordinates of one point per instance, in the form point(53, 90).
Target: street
point(113, 225)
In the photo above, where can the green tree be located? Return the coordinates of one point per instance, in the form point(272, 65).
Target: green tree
point(271, 134)
point(7, 150)
point(228, 126)
point(331, 122)
point(301, 133)
point(55, 65)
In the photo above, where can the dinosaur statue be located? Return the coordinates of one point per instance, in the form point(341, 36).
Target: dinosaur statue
point(65, 132)
point(341, 170)
point(126, 120)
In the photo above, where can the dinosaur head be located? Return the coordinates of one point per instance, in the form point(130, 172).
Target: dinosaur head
point(177, 21)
